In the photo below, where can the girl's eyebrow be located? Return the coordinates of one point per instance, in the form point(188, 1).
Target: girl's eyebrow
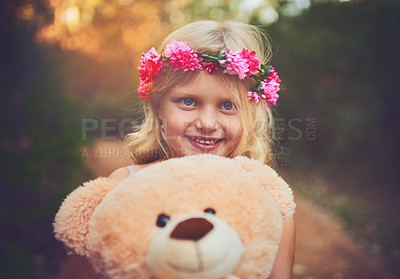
point(179, 92)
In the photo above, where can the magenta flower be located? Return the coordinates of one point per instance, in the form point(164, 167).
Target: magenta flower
point(150, 65)
point(268, 90)
point(182, 57)
point(234, 63)
point(253, 62)
point(274, 75)
point(270, 98)
point(270, 87)
point(209, 67)
point(144, 90)
point(253, 96)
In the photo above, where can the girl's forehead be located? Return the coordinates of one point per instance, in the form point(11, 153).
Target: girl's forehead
point(203, 84)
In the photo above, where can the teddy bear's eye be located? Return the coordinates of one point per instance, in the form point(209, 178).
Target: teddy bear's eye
point(209, 210)
point(162, 220)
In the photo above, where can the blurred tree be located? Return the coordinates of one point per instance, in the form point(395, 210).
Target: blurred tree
point(340, 91)
point(109, 30)
point(40, 145)
point(339, 63)
point(105, 30)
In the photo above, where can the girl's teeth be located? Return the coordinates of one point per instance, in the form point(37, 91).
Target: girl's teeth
point(205, 141)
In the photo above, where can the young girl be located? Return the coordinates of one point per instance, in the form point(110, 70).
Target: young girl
point(209, 91)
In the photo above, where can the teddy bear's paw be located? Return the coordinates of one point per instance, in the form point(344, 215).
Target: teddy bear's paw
point(71, 223)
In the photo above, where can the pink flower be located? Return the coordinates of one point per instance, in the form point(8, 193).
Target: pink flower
point(150, 65)
point(252, 61)
point(253, 96)
point(271, 99)
point(209, 67)
point(234, 63)
point(270, 86)
point(144, 90)
point(182, 57)
point(274, 75)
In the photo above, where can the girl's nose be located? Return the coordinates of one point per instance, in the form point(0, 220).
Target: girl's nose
point(207, 120)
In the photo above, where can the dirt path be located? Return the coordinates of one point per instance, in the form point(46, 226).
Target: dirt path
point(323, 251)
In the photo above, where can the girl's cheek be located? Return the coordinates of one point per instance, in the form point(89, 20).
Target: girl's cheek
point(179, 124)
point(185, 119)
point(233, 125)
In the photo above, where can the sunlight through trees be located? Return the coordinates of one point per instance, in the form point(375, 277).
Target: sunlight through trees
point(122, 29)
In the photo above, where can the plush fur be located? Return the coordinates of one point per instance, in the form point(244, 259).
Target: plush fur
point(113, 224)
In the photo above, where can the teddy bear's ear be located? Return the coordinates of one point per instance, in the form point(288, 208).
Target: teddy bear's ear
point(278, 189)
point(72, 220)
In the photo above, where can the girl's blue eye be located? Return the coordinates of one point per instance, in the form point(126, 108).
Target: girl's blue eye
point(227, 105)
point(187, 101)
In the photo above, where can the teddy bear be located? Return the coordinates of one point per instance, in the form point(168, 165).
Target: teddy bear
point(203, 217)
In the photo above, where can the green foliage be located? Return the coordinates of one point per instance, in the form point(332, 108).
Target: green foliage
point(41, 161)
point(338, 63)
point(339, 66)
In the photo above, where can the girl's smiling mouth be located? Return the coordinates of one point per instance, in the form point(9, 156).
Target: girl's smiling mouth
point(204, 143)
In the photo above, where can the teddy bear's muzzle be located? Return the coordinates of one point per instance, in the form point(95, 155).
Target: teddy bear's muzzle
point(198, 246)
point(192, 229)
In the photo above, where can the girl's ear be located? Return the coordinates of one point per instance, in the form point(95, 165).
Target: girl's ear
point(71, 224)
point(278, 189)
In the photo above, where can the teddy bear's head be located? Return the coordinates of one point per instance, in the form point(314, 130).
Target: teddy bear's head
point(181, 218)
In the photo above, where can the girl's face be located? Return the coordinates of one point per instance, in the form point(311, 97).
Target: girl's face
point(201, 117)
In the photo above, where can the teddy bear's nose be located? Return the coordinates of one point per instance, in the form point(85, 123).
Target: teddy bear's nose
point(192, 229)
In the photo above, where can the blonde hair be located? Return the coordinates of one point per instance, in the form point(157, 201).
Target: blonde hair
point(148, 142)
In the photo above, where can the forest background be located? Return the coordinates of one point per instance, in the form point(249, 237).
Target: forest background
point(68, 77)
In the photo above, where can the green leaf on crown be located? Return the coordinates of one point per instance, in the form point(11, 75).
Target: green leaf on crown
point(222, 56)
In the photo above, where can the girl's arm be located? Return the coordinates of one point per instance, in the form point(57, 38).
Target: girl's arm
point(123, 172)
point(119, 174)
point(283, 265)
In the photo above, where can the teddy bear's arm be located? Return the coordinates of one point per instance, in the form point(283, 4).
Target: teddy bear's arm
point(72, 220)
point(278, 189)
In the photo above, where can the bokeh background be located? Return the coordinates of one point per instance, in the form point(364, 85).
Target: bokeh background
point(68, 77)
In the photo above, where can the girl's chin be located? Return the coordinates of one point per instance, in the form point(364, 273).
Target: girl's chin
point(193, 152)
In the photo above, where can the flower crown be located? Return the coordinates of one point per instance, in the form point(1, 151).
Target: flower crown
point(244, 63)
